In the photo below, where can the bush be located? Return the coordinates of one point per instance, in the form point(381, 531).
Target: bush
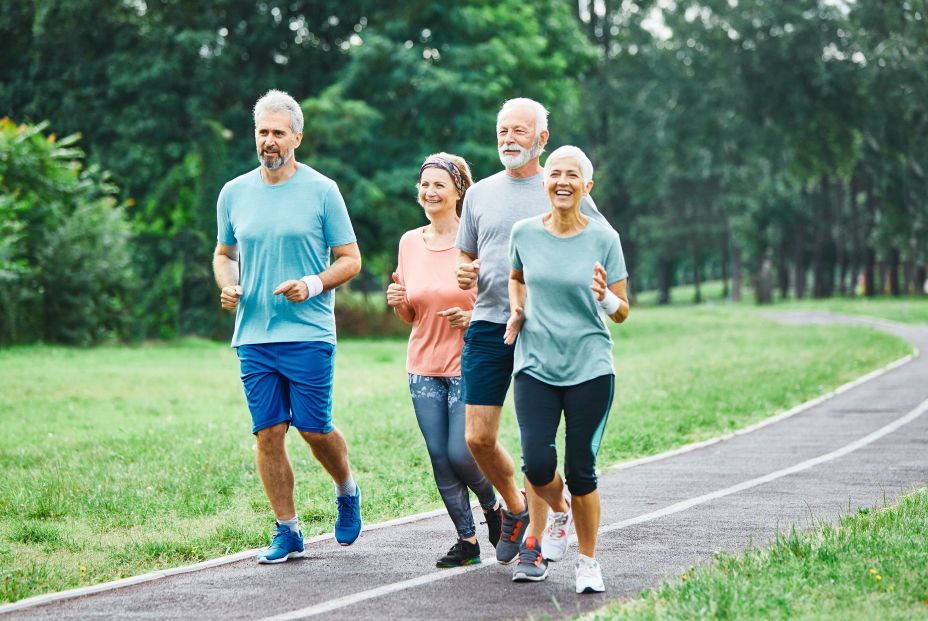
point(65, 264)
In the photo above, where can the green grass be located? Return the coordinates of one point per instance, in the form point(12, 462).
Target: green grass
point(118, 460)
point(870, 565)
point(711, 291)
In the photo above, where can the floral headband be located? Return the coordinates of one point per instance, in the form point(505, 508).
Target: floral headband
point(449, 167)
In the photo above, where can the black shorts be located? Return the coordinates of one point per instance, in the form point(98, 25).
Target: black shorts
point(486, 364)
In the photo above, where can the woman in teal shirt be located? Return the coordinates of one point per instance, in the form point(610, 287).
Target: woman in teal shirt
point(566, 272)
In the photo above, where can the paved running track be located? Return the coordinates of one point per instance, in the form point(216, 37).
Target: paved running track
point(863, 447)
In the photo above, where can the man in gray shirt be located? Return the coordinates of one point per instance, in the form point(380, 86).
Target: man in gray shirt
point(491, 207)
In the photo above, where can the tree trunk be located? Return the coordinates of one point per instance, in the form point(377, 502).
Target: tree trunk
point(870, 273)
point(893, 270)
point(921, 280)
point(725, 268)
point(697, 293)
point(735, 273)
point(783, 269)
point(664, 280)
point(763, 282)
point(799, 267)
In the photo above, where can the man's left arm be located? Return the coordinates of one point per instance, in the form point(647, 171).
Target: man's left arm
point(347, 265)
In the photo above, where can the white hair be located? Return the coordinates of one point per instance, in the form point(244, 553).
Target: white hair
point(573, 153)
point(279, 101)
point(541, 113)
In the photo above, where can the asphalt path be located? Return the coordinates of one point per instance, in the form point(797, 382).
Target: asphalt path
point(863, 447)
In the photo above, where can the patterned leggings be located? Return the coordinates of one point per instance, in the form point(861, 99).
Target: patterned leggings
point(440, 412)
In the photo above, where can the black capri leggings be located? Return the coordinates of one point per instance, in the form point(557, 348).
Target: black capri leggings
point(538, 410)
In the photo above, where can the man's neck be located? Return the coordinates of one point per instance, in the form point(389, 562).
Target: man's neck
point(279, 175)
point(530, 169)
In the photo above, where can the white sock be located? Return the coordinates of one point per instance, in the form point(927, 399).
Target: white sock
point(348, 488)
point(589, 561)
point(293, 524)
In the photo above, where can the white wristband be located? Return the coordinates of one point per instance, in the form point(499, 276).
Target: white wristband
point(314, 284)
point(610, 303)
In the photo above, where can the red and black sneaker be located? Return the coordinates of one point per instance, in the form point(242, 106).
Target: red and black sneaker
point(532, 565)
point(512, 531)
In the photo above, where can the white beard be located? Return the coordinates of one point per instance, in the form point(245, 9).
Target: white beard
point(274, 164)
point(511, 162)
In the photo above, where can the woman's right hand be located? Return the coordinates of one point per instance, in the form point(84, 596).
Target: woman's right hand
point(514, 325)
point(396, 292)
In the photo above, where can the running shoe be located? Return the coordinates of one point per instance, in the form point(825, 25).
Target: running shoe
point(557, 534)
point(348, 522)
point(285, 544)
point(494, 522)
point(461, 553)
point(513, 530)
point(532, 565)
point(589, 576)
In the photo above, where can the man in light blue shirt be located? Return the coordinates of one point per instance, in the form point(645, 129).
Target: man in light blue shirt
point(276, 227)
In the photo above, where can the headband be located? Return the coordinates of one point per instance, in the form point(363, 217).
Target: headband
point(449, 167)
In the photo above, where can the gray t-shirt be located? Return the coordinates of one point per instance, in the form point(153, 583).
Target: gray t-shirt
point(564, 340)
point(491, 207)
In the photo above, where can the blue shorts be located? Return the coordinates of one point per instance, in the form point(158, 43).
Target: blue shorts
point(486, 364)
point(289, 383)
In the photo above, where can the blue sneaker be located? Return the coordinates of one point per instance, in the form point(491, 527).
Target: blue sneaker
point(348, 522)
point(285, 544)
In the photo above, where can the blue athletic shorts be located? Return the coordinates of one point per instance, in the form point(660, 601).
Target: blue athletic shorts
point(486, 364)
point(289, 383)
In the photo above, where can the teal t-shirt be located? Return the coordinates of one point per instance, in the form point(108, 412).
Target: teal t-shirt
point(564, 339)
point(283, 232)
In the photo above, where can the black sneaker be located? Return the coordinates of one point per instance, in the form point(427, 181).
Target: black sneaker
point(494, 522)
point(532, 567)
point(512, 531)
point(461, 553)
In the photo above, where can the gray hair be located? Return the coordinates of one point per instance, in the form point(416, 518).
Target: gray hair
point(279, 101)
point(573, 153)
point(541, 113)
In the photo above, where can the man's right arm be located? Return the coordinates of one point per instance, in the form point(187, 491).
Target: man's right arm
point(225, 271)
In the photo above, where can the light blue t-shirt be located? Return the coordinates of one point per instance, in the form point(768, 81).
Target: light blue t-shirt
point(564, 340)
point(283, 232)
point(491, 207)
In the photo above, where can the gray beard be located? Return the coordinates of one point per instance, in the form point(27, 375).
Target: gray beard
point(276, 162)
point(526, 156)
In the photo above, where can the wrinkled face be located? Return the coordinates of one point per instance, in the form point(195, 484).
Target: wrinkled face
point(437, 193)
point(275, 140)
point(564, 183)
point(516, 137)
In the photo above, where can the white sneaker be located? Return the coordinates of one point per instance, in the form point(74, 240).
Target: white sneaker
point(557, 534)
point(589, 576)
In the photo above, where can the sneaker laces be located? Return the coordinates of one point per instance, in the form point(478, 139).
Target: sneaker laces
point(280, 537)
point(346, 506)
point(558, 520)
point(509, 522)
point(530, 556)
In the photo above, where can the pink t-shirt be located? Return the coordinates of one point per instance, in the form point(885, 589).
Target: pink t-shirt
point(431, 286)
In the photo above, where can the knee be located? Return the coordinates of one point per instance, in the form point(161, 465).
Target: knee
point(316, 438)
point(460, 457)
point(539, 469)
point(479, 442)
point(581, 484)
point(271, 437)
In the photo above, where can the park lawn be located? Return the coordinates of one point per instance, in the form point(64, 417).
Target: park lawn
point(905, 309)
point(121, 460)
point(871, 565)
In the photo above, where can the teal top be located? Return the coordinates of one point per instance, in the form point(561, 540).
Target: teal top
point(564, 340)
point(283, 232)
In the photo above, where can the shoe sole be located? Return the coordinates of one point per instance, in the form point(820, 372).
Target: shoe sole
point(472, 561)
point(283, 559)
point(526, 578)
point(590, 589)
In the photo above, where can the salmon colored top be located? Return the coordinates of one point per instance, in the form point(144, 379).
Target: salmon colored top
point(431, 286)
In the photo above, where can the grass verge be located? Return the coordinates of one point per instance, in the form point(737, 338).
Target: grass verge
point(870, 565)
point(117, 461)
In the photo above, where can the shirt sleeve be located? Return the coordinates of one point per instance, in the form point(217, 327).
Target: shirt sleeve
point(336, 223)
point(514, 257)
point(225, 234)
point(615, 261)
point(467, 230)
point(588, 208)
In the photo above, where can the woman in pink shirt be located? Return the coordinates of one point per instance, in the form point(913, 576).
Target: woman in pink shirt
point(425, 294)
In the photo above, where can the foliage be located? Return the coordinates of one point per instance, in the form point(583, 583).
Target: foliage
point(65, 263)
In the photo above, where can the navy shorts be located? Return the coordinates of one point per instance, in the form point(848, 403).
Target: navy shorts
point(289, 383)
point(486, 364)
